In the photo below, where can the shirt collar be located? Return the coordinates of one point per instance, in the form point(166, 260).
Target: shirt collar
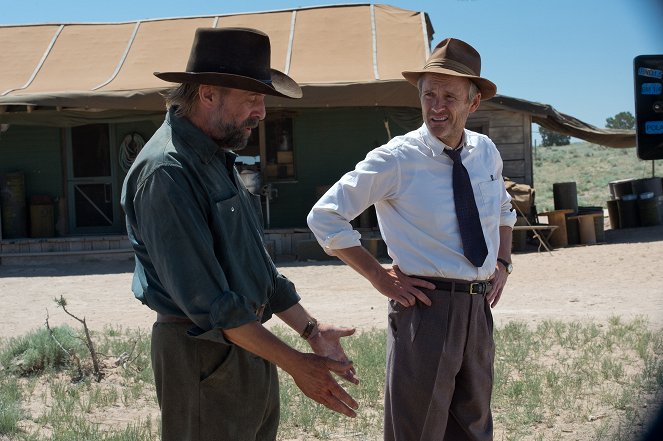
point(192, 136)
point(437, 146)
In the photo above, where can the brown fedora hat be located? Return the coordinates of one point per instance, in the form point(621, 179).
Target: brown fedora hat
point(234, 57)
point(455, 57)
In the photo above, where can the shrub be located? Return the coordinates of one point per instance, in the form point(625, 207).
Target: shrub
point(37, 351)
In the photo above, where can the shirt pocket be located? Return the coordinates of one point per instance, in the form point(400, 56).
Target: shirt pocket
point(229, 213)
point(490, 198)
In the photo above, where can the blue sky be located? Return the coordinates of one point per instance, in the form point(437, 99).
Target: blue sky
point(576, 55)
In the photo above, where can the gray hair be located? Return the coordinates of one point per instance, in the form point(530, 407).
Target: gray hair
point(184, 97)
point(474, 89)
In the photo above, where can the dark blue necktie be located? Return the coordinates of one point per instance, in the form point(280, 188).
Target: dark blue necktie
point(474, 244)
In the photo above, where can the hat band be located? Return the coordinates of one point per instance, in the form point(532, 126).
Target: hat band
point(450, 64)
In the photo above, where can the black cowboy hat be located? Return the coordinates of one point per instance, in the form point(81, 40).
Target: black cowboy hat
point(238, 58)
point(457, 58)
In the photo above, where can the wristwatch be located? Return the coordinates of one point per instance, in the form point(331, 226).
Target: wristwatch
point(508, 265)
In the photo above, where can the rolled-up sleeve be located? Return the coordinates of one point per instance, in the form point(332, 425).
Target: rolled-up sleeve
point(285, 295)
point(373, 179)
point(507, 213)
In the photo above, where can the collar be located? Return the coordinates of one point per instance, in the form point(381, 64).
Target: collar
point(192, 136)
point(437, 147)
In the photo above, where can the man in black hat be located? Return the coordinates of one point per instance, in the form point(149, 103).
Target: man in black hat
point(200, 259)
point(446, 218)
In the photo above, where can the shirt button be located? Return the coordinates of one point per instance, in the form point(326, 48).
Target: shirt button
point(232, 208)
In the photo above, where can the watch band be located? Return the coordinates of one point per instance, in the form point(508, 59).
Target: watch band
point(308, 330)
point(507, 265)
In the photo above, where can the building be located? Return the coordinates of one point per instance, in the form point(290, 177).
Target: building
point(77, 101)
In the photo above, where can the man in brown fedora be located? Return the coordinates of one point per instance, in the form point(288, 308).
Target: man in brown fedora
point(446, 218)
point(200, 259)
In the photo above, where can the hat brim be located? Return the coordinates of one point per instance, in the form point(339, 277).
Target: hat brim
point(487, 88)
point(281, 84)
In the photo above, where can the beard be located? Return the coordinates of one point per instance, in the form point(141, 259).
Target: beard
point(233, 136)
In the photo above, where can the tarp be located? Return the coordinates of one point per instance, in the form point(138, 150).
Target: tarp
point(351, 44)
point(546, 116)
point(342, 55)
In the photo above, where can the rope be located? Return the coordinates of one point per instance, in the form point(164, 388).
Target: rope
point(129, 149)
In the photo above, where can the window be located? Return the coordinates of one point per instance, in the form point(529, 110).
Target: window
point(279, 154)
point(270, 149)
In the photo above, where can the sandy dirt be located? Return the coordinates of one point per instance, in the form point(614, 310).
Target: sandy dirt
point(623, 277)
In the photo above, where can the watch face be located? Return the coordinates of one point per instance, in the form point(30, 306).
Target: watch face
point(507, 265)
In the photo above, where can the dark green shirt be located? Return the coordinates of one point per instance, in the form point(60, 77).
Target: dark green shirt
point(198, 237)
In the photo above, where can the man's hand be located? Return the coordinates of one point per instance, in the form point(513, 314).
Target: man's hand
point(395, 285)
point(498, 281)
point(311, 372)
point(391, 283)
point(312, 376)
point(326, 342)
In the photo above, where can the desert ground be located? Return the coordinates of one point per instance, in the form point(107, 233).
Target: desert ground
point(622, 277)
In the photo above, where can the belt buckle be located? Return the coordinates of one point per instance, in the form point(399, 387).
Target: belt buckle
point(481, 287)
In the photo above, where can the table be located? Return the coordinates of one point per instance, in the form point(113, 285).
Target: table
point(541, 232)
point(559, 237)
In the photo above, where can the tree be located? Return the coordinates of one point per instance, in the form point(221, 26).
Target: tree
point(549, 137)
point(623, 120)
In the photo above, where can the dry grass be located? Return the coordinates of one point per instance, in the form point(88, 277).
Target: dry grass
point(590, 166)
point(560, 381)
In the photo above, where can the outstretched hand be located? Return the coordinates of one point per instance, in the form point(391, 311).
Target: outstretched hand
point(397, 286)
point(312, 376)
point(326, 342)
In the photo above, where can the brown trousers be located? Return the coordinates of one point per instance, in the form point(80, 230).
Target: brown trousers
point(209, 391)
point(440, 370)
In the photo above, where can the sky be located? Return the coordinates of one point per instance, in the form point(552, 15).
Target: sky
point(575, 55)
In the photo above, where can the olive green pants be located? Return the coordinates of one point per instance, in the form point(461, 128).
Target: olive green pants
point(209, 391)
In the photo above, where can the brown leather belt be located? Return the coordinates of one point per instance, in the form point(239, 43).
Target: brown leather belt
point(163, 318)
point(479, 287)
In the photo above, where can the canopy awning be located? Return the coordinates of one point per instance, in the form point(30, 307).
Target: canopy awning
point(546, 116)
point(345, 44)
point(343, 56)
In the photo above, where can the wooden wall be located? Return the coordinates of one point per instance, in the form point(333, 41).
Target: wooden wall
point(512, 134)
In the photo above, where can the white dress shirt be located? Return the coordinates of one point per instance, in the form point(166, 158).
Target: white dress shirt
point(409, 181)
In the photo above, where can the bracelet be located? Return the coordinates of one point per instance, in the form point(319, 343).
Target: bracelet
point(310, 326)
